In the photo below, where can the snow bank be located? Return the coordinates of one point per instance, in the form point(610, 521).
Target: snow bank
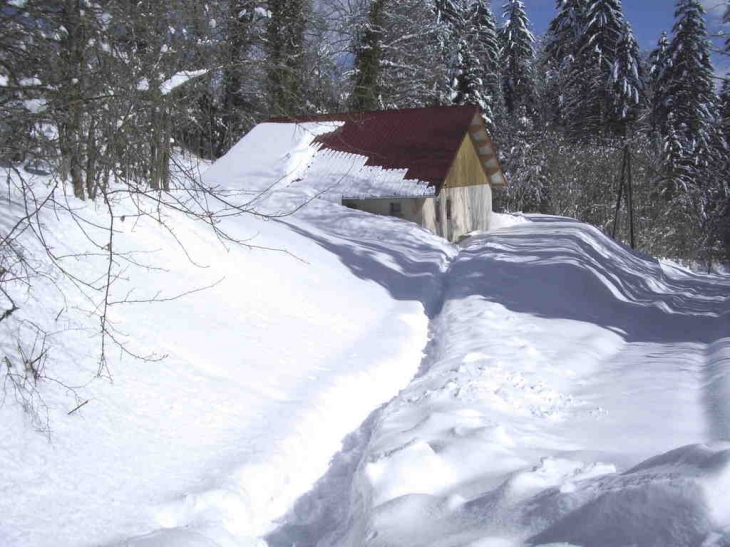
point(572, 394)
point(499, 221)
point(271, 358)
point(502, 220)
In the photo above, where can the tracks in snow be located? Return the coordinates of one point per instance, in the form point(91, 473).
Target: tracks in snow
point(317, 517)
point(551, 343)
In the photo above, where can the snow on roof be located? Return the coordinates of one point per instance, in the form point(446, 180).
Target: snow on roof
point(349, 176)
point(269, 156)
point(423, 141)
point(274, 156)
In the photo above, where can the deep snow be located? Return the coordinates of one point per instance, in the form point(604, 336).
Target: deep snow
point(575, 392)
point(566, 389)
point(266, 370)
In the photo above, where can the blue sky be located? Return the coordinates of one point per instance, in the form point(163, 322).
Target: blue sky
point(647, 17)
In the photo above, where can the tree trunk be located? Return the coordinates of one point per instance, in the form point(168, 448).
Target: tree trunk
point(70, 125)
point(368, 56)
point(285, 35)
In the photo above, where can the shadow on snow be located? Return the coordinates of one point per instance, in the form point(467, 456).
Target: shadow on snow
point(566, 270)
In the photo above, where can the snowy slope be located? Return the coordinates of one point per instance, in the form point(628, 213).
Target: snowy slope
point(266, 370)
point(574, 392)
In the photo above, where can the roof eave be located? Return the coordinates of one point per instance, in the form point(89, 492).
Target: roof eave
point(362, 198)
point(484, 147)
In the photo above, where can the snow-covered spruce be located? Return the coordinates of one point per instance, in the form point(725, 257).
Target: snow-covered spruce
point(517, 56)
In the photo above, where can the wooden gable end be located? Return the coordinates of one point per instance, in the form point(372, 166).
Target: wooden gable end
point(466, 169)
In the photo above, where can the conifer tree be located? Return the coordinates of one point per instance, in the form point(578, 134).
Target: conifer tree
point(627, 81)
point(693, 182)
point(594, 61)
point(240, 36)
point(468, 84)
point(368, 47)
point(687, 82)
point(486, 51)
point(463, 75)
point(604, 81)
point(677, 169)
point(397, 57)
point(474, 64)
point(659, 62)
point(446, 15)
point(561, 48)
point(604, 25)
point(561, 40)
point(725, 109)
point(447, 11)
point(517, 55)
point(726, 20)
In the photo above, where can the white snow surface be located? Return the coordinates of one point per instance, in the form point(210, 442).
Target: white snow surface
point(277, 156)
point(572, 394)
point(563, 389)
point(179, 78)
point(265, 371)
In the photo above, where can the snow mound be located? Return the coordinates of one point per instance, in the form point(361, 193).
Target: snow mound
point(273, 353)
point(563, 373)
point(677, 498)
point(502, 220)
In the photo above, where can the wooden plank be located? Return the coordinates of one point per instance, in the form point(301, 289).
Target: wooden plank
point(484, 148)
point(467, 169)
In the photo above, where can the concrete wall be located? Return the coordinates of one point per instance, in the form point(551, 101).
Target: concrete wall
point(418, 210)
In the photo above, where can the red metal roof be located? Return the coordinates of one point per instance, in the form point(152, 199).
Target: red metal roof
point(423, 140)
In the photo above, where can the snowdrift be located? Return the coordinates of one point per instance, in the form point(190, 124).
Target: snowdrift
point(261, 358)
point(575, 392)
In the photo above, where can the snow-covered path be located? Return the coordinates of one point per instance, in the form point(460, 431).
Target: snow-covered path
point(560, 361)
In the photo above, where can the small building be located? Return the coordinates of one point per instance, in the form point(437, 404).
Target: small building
point(434, 166)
